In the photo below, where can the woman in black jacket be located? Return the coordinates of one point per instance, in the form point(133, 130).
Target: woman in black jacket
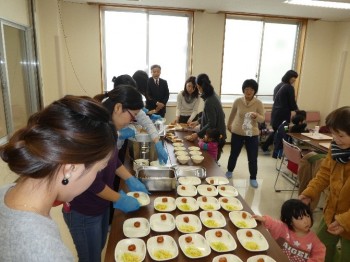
point(284, 103)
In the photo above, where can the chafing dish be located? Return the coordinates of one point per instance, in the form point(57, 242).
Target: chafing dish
point(157, 178)
point(191, 171)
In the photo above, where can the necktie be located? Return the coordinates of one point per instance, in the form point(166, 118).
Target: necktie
point(157, 82)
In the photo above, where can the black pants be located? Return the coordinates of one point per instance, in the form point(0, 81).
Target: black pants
point(251, 144)
point(220, 147)
point(269, 140)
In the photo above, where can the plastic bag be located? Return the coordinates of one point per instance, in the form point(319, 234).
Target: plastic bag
point(247, 125)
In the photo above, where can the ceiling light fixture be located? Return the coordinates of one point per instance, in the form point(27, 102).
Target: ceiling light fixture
point(316, 3)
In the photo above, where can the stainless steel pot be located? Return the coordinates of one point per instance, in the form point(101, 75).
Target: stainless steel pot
point(142, 147)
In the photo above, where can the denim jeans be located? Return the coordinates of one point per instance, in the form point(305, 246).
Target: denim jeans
point(252, 147)
point(89, 234)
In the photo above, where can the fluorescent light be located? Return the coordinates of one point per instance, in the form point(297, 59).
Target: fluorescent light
point(316, 3)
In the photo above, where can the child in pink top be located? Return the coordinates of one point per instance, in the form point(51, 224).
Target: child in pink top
point(293, 233)
point(210, 142)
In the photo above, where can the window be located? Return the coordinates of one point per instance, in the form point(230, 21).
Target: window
point(259, 50)
point(135, 40)
point(18, 78)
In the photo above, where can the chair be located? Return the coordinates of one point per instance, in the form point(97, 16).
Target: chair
point(308, 167)
point(313, 117)
point(292, 155)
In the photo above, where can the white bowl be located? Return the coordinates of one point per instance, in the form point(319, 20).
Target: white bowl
point(178, 144)
point(183, 159)
point(195, 153)
point(197, 159)
point(194, 148)
point(181, 153)
point(179, 148)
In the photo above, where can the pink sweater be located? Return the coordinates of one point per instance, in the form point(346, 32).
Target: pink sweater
point(298, 249)
point(211, 147)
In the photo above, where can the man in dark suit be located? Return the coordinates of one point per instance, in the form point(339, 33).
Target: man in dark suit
point(157, 92)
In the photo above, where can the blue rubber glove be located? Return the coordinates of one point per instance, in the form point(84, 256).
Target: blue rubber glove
point(136, 185)
point(155, 117)
point(162, 155)
point(145, 110)
point(125, 133)
point(126, 203)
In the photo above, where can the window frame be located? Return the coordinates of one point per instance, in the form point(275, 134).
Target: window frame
point(148, 11)
point(30, 73)
point(298, 52)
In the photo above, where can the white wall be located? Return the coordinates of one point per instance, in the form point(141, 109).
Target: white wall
point(318, 77)
point(325, 72)
point(15, 11)
point(342, 76)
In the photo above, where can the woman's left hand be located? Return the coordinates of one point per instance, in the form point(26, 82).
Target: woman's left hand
point(335, 228)
point(193, 124)
point(136, 185)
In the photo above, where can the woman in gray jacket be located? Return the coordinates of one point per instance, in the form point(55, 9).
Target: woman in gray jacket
point(213, 115)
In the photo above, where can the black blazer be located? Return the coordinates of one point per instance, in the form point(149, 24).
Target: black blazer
point(157, 94)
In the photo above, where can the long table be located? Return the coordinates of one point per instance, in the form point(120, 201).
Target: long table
point(313, 143)
point(212, 168)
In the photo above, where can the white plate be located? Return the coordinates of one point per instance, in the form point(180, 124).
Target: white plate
point(187, 204)
point(130, 230)
point(226, 190)
point(232, 204)
point(217, 180)
point(178, 144)
point(162, 222)
point(189, 180)
point(242, 219)
point(142, 197)
point(186, 190)
point(197, 244)
point(207, 190)
point(208, 203)
point(229, 258)
point(254, 243)
point(188, 223)
point(162, 206)
point(194, 148)
point(217, 220)
point(167, 246)
point(225, 240)
point(121, 249)
point(265, 257)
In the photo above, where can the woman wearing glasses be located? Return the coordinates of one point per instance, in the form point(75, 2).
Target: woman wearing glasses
point(88, 214)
